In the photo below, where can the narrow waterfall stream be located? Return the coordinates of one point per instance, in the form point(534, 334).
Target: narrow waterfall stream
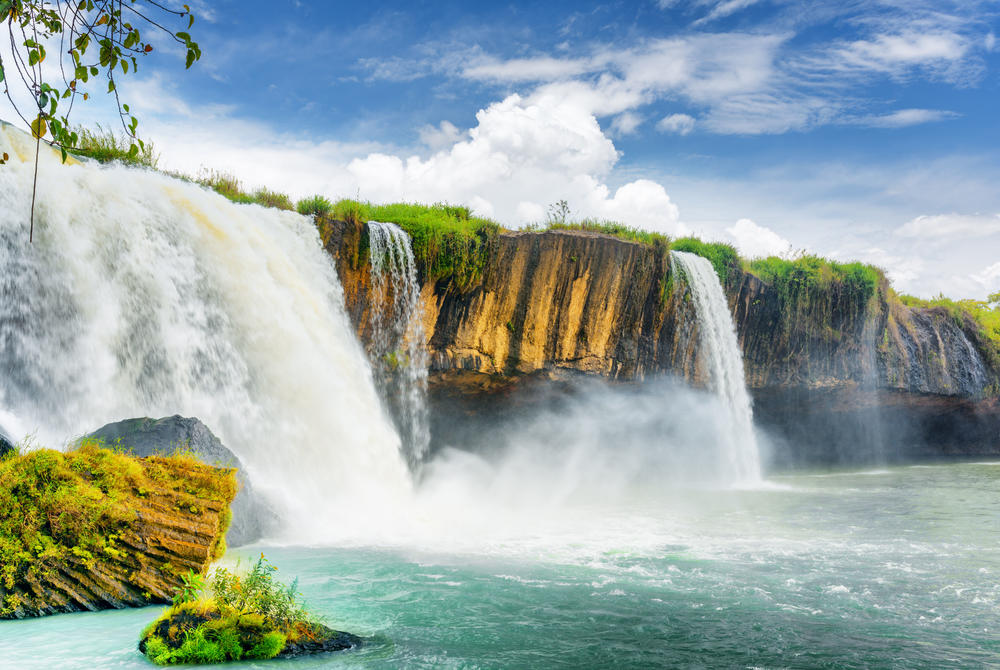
point(723, 361)
point(397, 340)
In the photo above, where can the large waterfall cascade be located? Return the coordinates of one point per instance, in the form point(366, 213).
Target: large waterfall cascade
point(397, 335)
point(146, 296)
point(720, 351)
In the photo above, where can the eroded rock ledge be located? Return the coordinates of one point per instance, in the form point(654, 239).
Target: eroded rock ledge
point(564, 302)
point(93, 529)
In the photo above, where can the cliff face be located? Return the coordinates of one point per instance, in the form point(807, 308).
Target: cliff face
point(92, 529)
point(563, 302)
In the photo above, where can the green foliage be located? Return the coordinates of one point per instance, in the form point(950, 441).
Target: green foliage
point(448, 242)
point(225, 184)
point(263, 196)
point(257, 592)
point(106, 146)
point(317, 205)
point(722, 256)
point(270, 645)
point(73, 506)
point(250, 616)
point(812, 273)
point(98, 42)
point(558, 212)
point(191, 587)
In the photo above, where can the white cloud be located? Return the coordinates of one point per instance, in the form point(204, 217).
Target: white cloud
point(951, 225)
point(440, 137)
point(907, 117)
point(528, 69)
point(902, 270)
point(626, 123)
point(756, 241)
point(989, 277)
point(724, 9)
point(682, 124)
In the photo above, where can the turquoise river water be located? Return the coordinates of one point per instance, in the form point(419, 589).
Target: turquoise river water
point(893, 568)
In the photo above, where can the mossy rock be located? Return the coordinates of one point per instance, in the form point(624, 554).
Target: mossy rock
point(92, 529)
point(199, 632)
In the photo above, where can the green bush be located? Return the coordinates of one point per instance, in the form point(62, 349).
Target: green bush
point(316, 205)
point(249, 616)
point(814, 273)
point(615, 229)
point(722, 256)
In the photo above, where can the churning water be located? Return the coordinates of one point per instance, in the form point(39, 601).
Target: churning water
point(723, 359)
point(892, 569)
point(397, 335)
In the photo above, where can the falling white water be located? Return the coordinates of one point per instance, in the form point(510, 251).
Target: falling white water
point(397, 338)
point(720, 351)
point(146, 296)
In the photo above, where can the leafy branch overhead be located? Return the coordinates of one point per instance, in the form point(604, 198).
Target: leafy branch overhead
point(96, 41)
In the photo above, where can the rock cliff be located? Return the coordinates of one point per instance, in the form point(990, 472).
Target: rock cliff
point(556, 303)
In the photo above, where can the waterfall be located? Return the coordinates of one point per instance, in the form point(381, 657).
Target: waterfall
point(397, 335)
point(144, 295)
point(723, 360)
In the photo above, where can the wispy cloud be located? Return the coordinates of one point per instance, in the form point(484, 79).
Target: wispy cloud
point(906, 117)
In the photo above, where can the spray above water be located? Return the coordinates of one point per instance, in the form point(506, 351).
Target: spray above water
point(146, 296)
point(397, 335)
point(723, 360)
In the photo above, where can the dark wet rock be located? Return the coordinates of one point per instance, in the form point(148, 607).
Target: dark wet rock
point(327, 640)
point(6, 444)
point(252, 517)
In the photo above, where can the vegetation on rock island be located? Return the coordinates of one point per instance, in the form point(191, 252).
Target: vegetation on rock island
point(77, 525)
point(236, 616)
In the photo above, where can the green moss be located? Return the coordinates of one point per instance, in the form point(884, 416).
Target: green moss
point(76, 504)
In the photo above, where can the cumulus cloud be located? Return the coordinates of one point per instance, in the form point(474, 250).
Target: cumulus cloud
point(522, 155)
point(626, 123)
point(951, 225)
point(756, 241)
point(682, 124)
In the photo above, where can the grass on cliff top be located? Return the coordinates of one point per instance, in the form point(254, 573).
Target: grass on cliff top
point(236, 615)
point(448, 241)
point(812, 273)
point(77, 503)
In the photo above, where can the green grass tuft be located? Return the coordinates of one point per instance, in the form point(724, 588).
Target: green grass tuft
point(316, 205)
point(106, 146)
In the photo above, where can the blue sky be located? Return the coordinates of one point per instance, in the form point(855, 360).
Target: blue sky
point(860, 129)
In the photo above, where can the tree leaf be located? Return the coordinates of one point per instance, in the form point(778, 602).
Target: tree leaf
point(39, 127)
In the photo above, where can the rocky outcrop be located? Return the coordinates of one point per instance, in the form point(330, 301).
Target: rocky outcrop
point(562, 302)
point(92, 529)
point(142, 437)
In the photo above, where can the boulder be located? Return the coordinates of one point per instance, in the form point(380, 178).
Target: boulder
point(252, 517)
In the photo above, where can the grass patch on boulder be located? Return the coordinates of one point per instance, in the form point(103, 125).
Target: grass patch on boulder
point(245, 615)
